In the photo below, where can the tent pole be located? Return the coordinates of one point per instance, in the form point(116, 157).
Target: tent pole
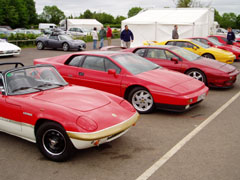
point(155, 31)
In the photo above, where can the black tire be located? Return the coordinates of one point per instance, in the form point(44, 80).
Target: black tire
point(141, 99)
point(197, 74)
point(40, 45)
point(65, 46)
point(210, 56)
point(53, 142)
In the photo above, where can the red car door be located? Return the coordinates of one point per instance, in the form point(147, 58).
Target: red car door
point(164, 58)
point(94, 73)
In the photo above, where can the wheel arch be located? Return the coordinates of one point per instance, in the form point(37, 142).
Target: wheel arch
point(190, 69)
point(130, 88)
point(41, 121)
point(209, 54)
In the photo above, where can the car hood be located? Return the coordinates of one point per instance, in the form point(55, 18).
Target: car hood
point(8, 46)
point(74, 97)
point(215, 65)
point(175, 81)
point(217, 50)
point(230, 48)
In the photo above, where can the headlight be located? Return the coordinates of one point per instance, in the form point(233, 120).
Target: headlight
point(126, 105)
point(86, 123)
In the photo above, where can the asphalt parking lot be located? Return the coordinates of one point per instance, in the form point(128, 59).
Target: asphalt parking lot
point(201, 144)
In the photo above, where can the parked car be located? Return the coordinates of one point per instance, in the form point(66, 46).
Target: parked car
point(221, 31)
point(201, 49)
point(214, 43)
point(76, 31)
point(56, 40)
point(144, 84)
point(38, 105)
point(8, 49)
point(222, 39)
point(212, 73)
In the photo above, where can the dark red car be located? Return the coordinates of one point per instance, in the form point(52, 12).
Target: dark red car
point(212, 73)
point(222, 39)
point(214, 43)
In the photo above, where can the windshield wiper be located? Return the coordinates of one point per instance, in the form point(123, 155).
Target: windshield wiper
point(49, 84)
point(25, 88)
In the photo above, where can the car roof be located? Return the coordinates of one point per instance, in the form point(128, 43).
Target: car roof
point(156, 46)
point(188, 40)
point(103, 53)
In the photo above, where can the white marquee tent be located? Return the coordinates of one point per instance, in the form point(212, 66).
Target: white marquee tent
point(157, 24)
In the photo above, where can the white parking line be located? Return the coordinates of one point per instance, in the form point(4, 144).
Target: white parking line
point(149, 172)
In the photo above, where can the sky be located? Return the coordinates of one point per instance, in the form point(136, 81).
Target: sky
point(121, 7)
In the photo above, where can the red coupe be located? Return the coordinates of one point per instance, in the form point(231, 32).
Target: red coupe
point(212, 73)
point(214, 43)
point(222, 39)
point(38, 105)
point(143, 83)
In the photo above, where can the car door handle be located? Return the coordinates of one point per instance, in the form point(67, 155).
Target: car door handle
point(81, 74)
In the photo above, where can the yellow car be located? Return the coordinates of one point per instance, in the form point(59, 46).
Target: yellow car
point(199, 48)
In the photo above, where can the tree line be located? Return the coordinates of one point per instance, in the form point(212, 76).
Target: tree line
point(22, 14)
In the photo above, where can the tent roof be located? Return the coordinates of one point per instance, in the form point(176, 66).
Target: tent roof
point(84, 21)
point(168, 16)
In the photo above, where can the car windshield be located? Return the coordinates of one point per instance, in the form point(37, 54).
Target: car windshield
point(215, 42)
point(135, 64)
point(200, 44)
point(33, 79)
point(65, 37)
point(188, 55)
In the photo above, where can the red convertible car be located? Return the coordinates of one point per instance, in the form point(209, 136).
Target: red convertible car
point(214, 43)
point(212, 73)
point(38, 105)
point(222, 39)
point(143, 83)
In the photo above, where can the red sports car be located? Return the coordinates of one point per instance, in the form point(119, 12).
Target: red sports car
point(143, 83)
point(38, 105)
point(212, 73)
point(222, 39)
point(214, 43)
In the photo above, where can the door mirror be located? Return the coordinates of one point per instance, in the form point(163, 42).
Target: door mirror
point(112, 71)
point(210, 44)
point(195, 47)
point(175, 60)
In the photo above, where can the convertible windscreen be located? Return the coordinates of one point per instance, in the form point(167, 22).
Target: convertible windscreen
point(135, 64)
point(30, 80)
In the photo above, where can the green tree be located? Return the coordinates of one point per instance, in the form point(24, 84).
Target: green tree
point(52, 14)
point(134, 11)
point(86, 15)
point(119, 19)
point(30, 4)
point(184, 3)
point(238, 22)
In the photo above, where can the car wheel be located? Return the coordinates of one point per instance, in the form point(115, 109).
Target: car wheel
point(197, 74)
point(53, 142)
point(40, 45)
point(142, 100)
point(210, 56)
point(65, 46)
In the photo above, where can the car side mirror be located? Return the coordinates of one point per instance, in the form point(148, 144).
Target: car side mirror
point(175, 60)
point(210, 44)
point(195, 48)
point(113, 72)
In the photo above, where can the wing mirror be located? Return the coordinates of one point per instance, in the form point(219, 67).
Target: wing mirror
point(175, 60)
point(195, 48)
point(210, 44)
point(113, 72)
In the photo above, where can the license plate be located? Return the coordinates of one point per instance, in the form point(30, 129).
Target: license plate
point(201, 97)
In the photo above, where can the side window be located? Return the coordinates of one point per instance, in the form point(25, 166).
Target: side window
point(53, 37)
point(180, 44)
point(76, 61)
point(110, 65)
point(204, 41)
point(171, 55)
point(140, 52)
point(93, 62)
point(215, 38)
point(156, 54)
point(224, 39)
point(188, 45)
point(170, 43)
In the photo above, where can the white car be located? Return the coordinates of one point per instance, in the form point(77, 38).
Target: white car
point(8, 49)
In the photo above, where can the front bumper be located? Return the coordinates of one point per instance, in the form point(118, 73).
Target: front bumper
point(85, 140)
point(10, 53)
